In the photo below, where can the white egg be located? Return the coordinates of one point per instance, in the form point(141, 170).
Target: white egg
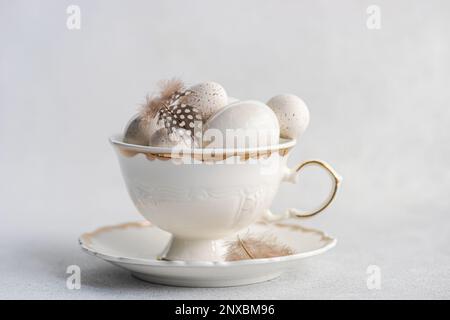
point(138, 131)
point(208, 97)
point(292, 114)
point(244, 124)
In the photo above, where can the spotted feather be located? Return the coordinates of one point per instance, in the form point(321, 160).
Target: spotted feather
point(182, 120)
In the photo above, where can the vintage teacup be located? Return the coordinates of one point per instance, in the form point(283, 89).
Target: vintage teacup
point(206, 195)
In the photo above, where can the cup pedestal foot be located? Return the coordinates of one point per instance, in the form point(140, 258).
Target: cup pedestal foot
point(194, 250)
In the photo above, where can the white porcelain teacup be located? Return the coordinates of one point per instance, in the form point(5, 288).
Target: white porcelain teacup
point(210, 194)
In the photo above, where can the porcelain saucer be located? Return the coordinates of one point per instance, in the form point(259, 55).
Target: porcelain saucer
point(136, 247)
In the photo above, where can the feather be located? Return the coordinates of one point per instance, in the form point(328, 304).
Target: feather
point(154, 103)
point(169, 87)
point(150, 108)
point(255, 247)
point(183, 121)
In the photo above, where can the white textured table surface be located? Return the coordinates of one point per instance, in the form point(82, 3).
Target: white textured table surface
point(379, 103)
point(414, 263)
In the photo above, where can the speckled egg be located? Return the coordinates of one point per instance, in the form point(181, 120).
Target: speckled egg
point(252, 122)
point(292, 114)
point(208, 97)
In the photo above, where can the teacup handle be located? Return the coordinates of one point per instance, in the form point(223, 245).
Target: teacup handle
point(291, 176)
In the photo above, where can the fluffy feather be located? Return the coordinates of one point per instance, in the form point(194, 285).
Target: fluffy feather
point(183, 121)
point(154, 103)
point(150, 108)
point(169, 87)
point(255, 247)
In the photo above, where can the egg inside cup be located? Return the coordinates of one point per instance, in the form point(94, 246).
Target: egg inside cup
point(203, 166)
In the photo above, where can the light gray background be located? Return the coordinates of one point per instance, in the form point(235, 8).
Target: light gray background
point(379, 103)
